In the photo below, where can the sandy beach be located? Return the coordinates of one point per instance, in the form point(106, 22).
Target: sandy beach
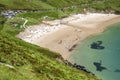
point(63, 35)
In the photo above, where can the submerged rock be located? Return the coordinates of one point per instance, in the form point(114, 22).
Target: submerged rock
point(97, 45)
point(117, 70)
point(98, 66)
point(79, 67)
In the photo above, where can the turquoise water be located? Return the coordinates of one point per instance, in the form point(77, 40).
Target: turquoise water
point(110, 56)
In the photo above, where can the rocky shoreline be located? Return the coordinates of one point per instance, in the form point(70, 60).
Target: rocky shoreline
point(76, 66)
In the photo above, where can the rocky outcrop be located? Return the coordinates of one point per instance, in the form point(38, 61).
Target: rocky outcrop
point(74, 65)
point(10, 13)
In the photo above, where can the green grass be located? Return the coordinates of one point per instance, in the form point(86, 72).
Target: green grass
point(66, 3)
point(107, 5)
point(32, 17)
point(24, 4)
point(38, 16)
point(30, 61)
point(33, 63)
point(2, 21)
point(39, 4)
point(50, 4)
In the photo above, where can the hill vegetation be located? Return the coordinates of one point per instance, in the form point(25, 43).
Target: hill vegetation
point(40, 4)
point(29, 61)
point(51, 4)
point(107, 5)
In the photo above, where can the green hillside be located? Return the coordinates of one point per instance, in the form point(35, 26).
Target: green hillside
point(39, 4)
point(23, 4)
point(31, 62)
point(49, 4)
point(28, 61)
point(107, 5)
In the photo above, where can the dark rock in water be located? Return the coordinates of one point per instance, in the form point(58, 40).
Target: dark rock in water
point(99, 67)
point(97, 45)
point(79, 67)
point(117, 70)
point(99, 42)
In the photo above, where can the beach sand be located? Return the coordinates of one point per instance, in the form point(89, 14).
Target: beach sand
point(63, 35)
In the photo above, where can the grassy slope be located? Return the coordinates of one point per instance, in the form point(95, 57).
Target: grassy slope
point(45, 4)
point(63, 3)
point(39, 4)
point(23, 4)
point(107, 5)
point(32, 62)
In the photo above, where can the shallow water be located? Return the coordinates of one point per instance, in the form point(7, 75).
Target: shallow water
point(109, 57)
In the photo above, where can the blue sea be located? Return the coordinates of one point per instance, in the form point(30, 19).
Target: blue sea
point(108, 58)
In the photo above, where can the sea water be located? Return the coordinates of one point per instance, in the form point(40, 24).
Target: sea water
point(109, 57)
